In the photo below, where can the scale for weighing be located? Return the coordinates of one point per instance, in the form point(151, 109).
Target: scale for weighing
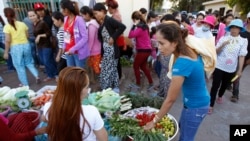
point(23, 101)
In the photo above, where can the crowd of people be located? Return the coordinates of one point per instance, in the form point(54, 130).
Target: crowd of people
point(186, 52)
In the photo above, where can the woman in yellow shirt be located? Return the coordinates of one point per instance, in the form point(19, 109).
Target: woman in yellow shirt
point(16, 41)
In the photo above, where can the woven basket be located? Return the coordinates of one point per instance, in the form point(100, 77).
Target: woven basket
point(24, 121)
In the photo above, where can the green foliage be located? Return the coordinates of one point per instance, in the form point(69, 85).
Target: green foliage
point(125, 62)
point(243, 4)
point(122, 127)
point(143, 101)
point(188, 5)
point(156, 4)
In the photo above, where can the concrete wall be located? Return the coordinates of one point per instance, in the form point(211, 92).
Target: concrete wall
point(217, 4)
point(3, 4)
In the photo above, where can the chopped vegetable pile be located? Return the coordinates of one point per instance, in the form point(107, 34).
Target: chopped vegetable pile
point(106, 100)
point(7, 96)
point(124, 126)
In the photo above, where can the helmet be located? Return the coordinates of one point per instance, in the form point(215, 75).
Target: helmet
point(38, 6)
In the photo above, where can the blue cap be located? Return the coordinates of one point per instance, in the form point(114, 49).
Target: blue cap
point(236, 22)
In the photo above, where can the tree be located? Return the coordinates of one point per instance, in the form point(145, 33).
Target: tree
point(188, 5)
point(243, 4)
point(156, 4)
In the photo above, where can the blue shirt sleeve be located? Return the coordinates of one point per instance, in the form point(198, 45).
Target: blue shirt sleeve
point(182, 67)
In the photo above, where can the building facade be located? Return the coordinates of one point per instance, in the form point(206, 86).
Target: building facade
point(221, 6)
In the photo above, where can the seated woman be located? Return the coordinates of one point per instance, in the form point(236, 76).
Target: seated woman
point(67, 118)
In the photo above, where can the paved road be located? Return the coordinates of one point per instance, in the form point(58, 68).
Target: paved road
point(214, 128)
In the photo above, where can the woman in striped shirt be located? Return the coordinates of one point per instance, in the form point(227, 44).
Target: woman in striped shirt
point(58, 20)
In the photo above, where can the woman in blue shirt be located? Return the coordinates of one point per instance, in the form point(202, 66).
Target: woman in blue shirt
point(187, 77)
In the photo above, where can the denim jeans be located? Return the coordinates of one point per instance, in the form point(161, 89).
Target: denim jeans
point(34, 52)
point(21, 57)
point(47, 58)
point(190, 121)
point(73, 60)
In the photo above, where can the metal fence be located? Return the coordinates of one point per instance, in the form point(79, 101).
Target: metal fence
point(22, 6)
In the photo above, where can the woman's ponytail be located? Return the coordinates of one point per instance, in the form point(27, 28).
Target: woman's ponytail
point(10, 15)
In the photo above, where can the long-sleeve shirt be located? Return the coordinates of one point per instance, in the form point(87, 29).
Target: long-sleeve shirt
point(42, 28)
point(141, 36)
point(94, 43)
point(80, 38)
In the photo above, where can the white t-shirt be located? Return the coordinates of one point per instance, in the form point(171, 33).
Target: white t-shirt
point(199, 33)
point(227, 59)
point(93, 117)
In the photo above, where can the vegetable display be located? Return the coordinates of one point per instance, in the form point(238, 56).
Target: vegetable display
point(124, 126)
point(7, 96)
point(107, 100)
point(41, 100)
point(126, 62)
point(142, 101)
point(166, 127)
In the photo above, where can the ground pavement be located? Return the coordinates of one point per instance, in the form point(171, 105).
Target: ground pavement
point(215, 127)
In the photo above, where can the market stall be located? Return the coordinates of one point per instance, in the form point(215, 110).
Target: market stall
point(124, 115)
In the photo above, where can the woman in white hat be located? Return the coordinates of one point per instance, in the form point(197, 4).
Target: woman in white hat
point(236, 83)
point(231, 51)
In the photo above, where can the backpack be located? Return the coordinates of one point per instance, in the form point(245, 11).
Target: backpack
point(24, 121)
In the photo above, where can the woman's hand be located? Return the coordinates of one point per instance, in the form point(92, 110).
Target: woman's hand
point(239, 73)
point(6, 55)
point(226, 43)
point(58, 59)
point(111, 41)
point(68, 53)
point(41, 130)
point(37, 39)
point(149, 125)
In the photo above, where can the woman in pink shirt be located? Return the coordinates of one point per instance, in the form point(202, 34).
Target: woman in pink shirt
point(140, 32)
point(93, 42)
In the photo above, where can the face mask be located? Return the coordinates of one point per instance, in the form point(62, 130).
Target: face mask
point(205, 28)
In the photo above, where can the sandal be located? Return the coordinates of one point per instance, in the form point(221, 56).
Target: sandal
point(210, 110)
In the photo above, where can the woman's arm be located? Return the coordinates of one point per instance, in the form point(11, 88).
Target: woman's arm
point(101, 134)
point(240, 65)
point(118, 26)
point(173, 93)
point(59, 54)
point(219, 49)
point(92, 31)
point(7, 45)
